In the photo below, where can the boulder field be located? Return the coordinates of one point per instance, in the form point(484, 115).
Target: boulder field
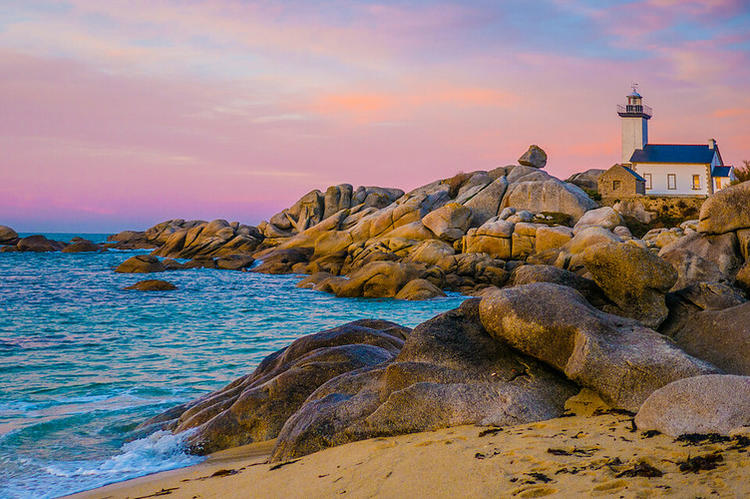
point(569, 299)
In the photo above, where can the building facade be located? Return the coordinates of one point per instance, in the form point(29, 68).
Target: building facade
point(620, 182)
point(669, 169)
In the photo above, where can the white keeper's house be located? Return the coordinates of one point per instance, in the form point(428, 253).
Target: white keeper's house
point(669, 169)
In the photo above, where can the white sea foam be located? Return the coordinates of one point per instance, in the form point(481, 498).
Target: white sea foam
point(159, 451)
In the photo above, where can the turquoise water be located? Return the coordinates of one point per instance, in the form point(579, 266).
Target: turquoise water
point(83, 362)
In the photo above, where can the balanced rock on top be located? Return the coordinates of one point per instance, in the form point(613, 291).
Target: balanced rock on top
point(534, 156)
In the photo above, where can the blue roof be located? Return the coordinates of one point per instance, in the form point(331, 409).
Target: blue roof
point(638, 177)
point(721, 171)
point(673, 153)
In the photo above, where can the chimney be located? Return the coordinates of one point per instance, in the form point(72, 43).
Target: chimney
point(712, 143)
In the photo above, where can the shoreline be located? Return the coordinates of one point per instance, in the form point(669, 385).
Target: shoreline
point(591, 453)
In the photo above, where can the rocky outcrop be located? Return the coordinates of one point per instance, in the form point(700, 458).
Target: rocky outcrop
point(255, 407)
point(449, 222)
point(211, 239)
point(528, 274)
point(39, 244)
point(550, 195)
point(419, 289)
point(152, 285)
point(80, 245)
point(617, 357)
point(492, 238)
point(380, 279)
point(702, 404)
point(633, 278)
point(601, 217)
point(726, 211)
point(140, 264)
point(534, 156)
point(449, 372)
point(586, 180)
point(8, 235)
point(699, 257)
point(716, 329)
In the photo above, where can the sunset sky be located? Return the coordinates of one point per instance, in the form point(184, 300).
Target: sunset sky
point(120, 114)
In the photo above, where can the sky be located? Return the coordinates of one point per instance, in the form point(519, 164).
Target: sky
point(120, 114)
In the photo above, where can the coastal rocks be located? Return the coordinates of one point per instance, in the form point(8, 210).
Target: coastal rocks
point(281, 261)
point(550, 195)
point(430, 252)
point(634, 208)
point(601, 217)
point(485, 203)
point(633, 278)
point(586, 180)
point(527, 274)
point(726, 211)
point(534, 156)
point(449, 222)
point(469, 272)
point(39, 244)
point(8, 235)
point(152, 285)
point(234, 262)
point(254, 408)
point(492, 238)
point(337, 198)
point(617, 357)
point(702, 404)
point(718, 335)
point(547, 238)
point(130, 239)
point(685, 303)
point(381, 279)
point(449, 372)
point(140, 264)
point(419, 289)
point(80, 245)
point(215, 238)
point(700, 257)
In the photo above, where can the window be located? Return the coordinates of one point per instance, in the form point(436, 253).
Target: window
point(616, 185)
point(696, 182)
point(647, 176)
point(718, 183)
point(671, 181)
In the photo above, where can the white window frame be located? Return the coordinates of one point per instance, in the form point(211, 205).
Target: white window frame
point(696, 187)
point(672, 186)
point(649, 181)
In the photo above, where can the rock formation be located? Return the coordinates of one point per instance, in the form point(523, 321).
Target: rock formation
point(152, 285)
point(702, 404)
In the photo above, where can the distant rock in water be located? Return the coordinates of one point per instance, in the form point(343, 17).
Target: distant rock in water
point(140, 264)
point(8, 235)
point(80, 245)
point(39, 244)
point(152, 285)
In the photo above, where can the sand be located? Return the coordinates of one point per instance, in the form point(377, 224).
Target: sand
point(592, 453)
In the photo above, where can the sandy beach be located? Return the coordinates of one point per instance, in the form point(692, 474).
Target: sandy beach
point(595, 452)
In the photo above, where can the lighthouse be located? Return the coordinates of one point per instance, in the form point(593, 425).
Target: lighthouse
point(635, 116)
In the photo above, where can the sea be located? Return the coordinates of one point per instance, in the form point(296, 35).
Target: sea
point(83, 362)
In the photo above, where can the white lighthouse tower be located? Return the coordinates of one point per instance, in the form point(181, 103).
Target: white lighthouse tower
point(635, 116)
